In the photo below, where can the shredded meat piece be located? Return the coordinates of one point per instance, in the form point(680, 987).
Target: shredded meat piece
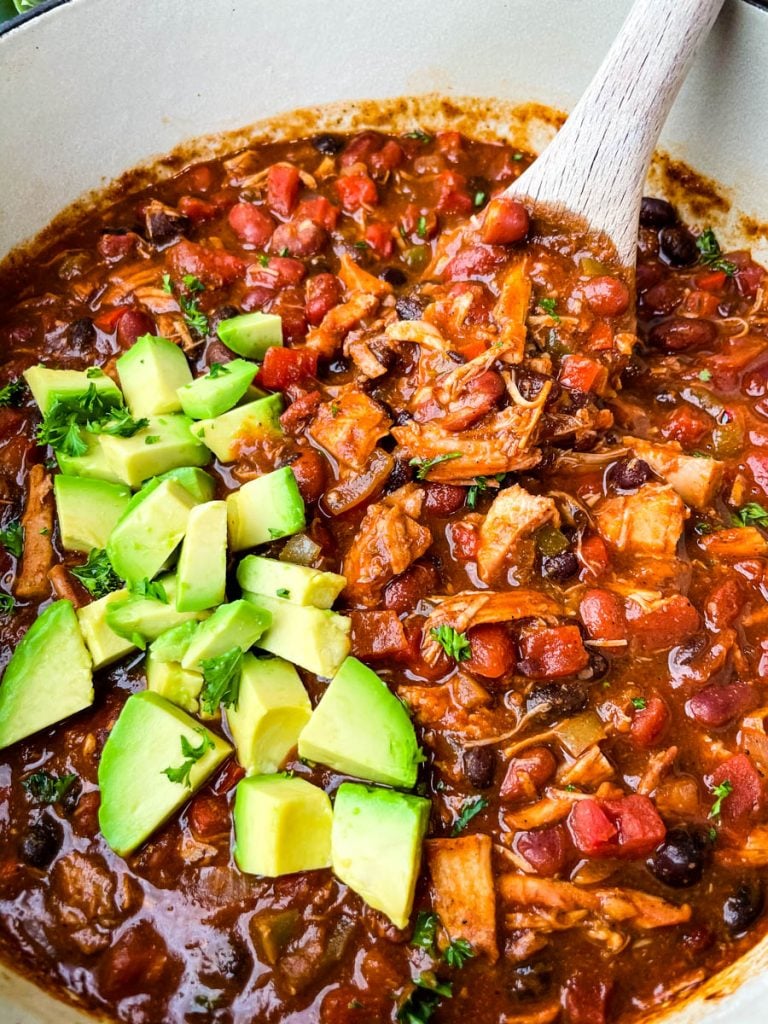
point(752, 853)
point(696, 479)
point(127, 279)
point(37, 522)
point(349, 428)
point(514, 515)
point(87, 901)
point(658, 766)
point(63, 586)
point(339, 321)
point(460, 707)
point(511, 311)
point(648, 522)
point(463, 894)
point(590, 769)
point(544, 1015)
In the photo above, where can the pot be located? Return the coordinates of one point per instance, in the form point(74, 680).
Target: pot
point(90, 88)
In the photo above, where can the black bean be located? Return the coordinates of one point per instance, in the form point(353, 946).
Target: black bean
point(743, 907)
point(163, 226)
point(71, 797)
point(531, 980)
point(599, 667)
point(629, 474)
point(409, 307)
point(401, 474)
point(327, 144)
point(556, 700)
point(687, 651)
point(479, 766)
point(394, 276)
point(656, 213)
point(680, 860)
point(529, 384)
point(560, 567)
point(678, 246)
point(82, 334)
point(41, 843)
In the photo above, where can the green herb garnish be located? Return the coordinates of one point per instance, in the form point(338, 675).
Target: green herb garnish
point(153, 589)
point(721, 792)
point(479, 199)
point(425, 466)
point(10, 393)
point(421, 228)
point(468, 812)
point(419, 135)
point(7, 603)
point(12, 538)
point(751, 513)
point(283, 592)
point(549, 306)
point(425, 930)
point(457, 954)
point(47, 788)
point(455, 644)
point(218, 370)
point(480, 485)
point(711, 255)
point(192, 755)
point(421, 1004)
point(97, 575)
point(639, 703)
point(221, 680)
point(705, 376)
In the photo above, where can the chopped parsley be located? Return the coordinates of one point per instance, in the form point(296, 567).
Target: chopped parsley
point(149, 588)
point(119, 423)
point(10, 393)
point(263, 259)
point(7, 603)
point(479, 199)
point(421, 229)
point(425, 466)
point(517, 156)
point(639, 703)
point(751, 513)
point(421, 1004)
point(167, 286)
point(480, 485)
point(549, 306)
point(12, 538)
point(218, 370)
point(221, 680)
point(189, 305)
point(425, 930)
point(705, 376)
point(419, 135)
point(283, 592)
point(455, 644)
point(284, 252)
point(711, 255)
point(468, 812)
point(96, 574)
point(721, 792)
point(457, 954)
point(47, 788)
point(192, 755)
point(152, 439)
point(62, 427)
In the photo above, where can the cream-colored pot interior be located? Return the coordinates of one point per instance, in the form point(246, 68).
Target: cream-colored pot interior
point(95, 87)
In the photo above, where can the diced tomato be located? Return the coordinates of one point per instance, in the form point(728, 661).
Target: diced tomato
point(602, 613)
point(310, 470)
point(416, 663)
point(323, 292)
point(506, 221)
point(527, 773)
point(214, 267)
point(601, 337)
point(356, 191)
point(198, 178)
point(319, 210)
point(747, 793)
point(649, 723)
point(711, 280)
point(686, 425)
point(594, 555)
point(379, 236)
point(251, 224)
point(135, 962)
point(591, 829)
point(361, 147)
point(546, 849)
point(580, 373)
point(133, 324)
point(758, 466)
point(283, 183)
point(275, 272)
point(450, 144)
point(665, 626)
point(115, 247)
point(464, 541)
point(586, 999)
point(208, 816)
point(749, 275)
point(701, 304)
point(348, 1005)
point(474, 261)
point(452, 194)
point(387, 158)
point(724, 604)
point(552, 653)
point(230, 775)
point(628, 827)
point(378, 634)
point(107, 321)
point(288, 304)
point(284, 366)
point(493, 652)
point(196, 209)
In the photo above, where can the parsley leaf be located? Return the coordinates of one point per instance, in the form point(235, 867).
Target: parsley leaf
point(10, 393)
point(421, 229)
point(195, 319)
point(192, 754)
point(710, 253)
point(457, 954)
point(7, 603)
point(455, 644)
point(425, 466)
point(549, 306)
point(639, 703)
point(95, 411)
point(480, 485)
point(705, 376)
point(47, 788)
point(283, 592)
point(425, 930)
point(421, 1004)
point(479, 199)
point(721, 792)
point(750, 513)
point(96, 574)
point(119, 423)
point(149, 588)
point(12, 538)
point(263, 259)
point(167, 286)
point(419, 135)
point(218, 370)
point(468, 812)
point(221, 680)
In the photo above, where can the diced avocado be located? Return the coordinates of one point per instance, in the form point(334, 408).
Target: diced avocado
point(312, 638)
point(172, 645)
point(48, 677)
point(360, 728)
point(150, 739)
point(251, 334)
point(49, 386)
point(220, 389)
point(299, 584)
point(265, 509)
point(140, 619)
point(282, 825)
point(178, 685)
point(376, 846)
point(93, 464)
point(202, 568)
point(88, 510)
point(104, 644)
point(225, 434)
point(165, 443)
point(151, 372)
point(200, 484)
point(272, 709)
point(237, 624)
point(149, 531)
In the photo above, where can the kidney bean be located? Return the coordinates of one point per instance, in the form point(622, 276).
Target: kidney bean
point(506, 221)
point(656, 213)
point(404, 592)
point(678, 246)
point(546, 849)
point(493, 652)
point(251, 224)
point(681, 333)
point(607, 296)
point(323, 292)
point(602, 613)
point(663, 298)
point(208, 816)
point(134, 963)
point(309, 470)
point(527, 773)
point(716, 705)
point(443, 499)
point(298, 238)
point(132, 325)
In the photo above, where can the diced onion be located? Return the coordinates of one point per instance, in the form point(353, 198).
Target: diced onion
point(301, 550)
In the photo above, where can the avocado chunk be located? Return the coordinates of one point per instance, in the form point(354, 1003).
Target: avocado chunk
point(265, 509)
point(226, 434)
point(282, 825)
point(376, 846)
point(272, 709)
point(360, 728)
point(165, 443)
point(202, 568)
point(88, 510)
point(178, 685)
point(139, 619)
point(173, 643)
point(312, 638)
point(251, 334)
point(237, 624)
point(104, 644)
point(154, 759)
point(48, 677)
point(200, 484)
point(221, 389)
point(51, 386)
point(149, 531)
point(299, 584)
point(93, 464)
point(151, 372)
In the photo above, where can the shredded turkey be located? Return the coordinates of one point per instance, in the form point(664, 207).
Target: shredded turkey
point(462, 888)
point(326, 338)
point(514, 515)
point(695, 478)
point(648, 522)
point(37, 522)
point(349, 427)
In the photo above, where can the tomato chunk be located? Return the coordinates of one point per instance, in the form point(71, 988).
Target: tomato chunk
point(452, 194)
point(628, 827)
point(663, 627)
point(283, 183)
point(378, 634)
point(552, 653)
point(602, 613)
point(323, 292)
point(356, 191)
point(319, 210)
point(649, 723)
point(580, 373)
point(379, 237)
point(747, 794)
point(284, 366)
point(214, 267)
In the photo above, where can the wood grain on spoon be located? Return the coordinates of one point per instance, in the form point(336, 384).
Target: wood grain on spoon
point(596, 166)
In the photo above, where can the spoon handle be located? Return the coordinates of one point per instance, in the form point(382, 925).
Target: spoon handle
point(597, 164)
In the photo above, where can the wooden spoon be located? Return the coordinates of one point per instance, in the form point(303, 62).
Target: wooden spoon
point(597, 164)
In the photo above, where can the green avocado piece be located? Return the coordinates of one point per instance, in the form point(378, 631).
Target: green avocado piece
point(251, 334)
point(151, 372)
point(93, 464)
point(272, 709)
point(151, 738)
point(282, 825)
point(299, 584)
point(88, 510)
point(312, 638)
point(220, 390)
point(49, 386)
point(140, 619)
point(265, 509)
point(178, 685)
point(48, 677)
point(104, 644)
point(200, 484)
point(173, 643)
point(376, 846)
point(149, 531)
point(202, 568)
point(237, 624)
point(360, 728)
point(226, 434)
point(165, 443)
